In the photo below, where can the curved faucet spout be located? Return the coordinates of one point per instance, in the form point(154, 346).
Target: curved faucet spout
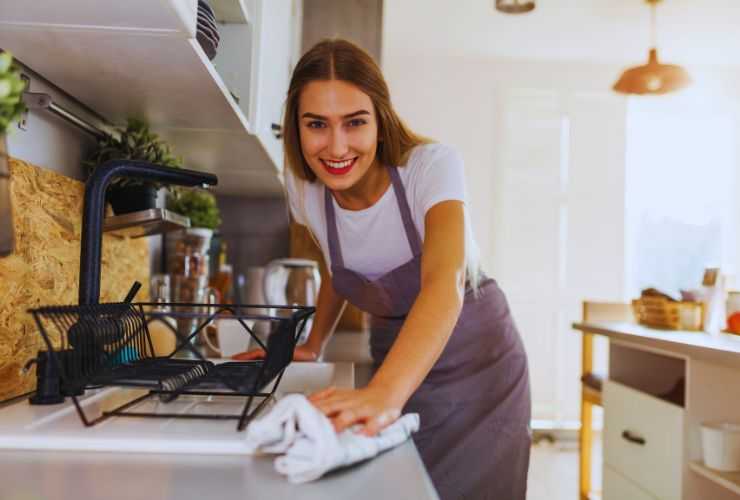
point(94, 211)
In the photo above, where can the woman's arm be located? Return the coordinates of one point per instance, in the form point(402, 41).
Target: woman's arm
point(329, 307)
point(424, 334)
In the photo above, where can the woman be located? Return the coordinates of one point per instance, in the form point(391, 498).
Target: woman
point(387, 208)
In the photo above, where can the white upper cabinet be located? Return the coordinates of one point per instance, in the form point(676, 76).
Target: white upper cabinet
point(140, 58)
point(275, 45)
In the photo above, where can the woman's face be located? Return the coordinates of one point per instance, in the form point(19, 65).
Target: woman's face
point(339, 133)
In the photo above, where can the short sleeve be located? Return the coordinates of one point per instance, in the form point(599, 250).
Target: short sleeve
point(296, 195)
point(440, 175)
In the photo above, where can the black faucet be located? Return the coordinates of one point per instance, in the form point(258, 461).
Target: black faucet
point(94, 211)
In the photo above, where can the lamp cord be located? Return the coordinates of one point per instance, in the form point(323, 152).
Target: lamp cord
point(653, 42)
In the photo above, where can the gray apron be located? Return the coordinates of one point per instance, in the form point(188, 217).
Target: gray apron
point(475, 402)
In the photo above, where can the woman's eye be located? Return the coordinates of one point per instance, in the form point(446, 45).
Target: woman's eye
point(316, 124)
point(356, 122)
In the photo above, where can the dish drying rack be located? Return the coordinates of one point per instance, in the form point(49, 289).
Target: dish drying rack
point(104, 345)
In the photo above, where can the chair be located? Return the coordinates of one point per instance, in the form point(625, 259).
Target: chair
point(591, 382)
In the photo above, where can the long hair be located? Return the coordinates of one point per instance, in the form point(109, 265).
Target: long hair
point(337, 59)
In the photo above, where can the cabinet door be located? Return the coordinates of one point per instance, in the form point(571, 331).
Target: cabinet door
point(618, 487)
point(643, 439)
point(275, 66)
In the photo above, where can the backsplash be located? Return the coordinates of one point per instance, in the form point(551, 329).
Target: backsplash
point(44, 268)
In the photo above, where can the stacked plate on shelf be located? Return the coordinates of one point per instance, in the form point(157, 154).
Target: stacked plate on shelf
point(207, 29)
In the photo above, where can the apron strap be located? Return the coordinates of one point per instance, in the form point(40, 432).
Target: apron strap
point(403, 204)
point(335, 251)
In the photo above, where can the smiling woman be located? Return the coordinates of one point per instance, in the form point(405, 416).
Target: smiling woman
point(387, 208)
point(341, 148)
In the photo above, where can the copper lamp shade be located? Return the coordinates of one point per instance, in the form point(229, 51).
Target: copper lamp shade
point(652, 78)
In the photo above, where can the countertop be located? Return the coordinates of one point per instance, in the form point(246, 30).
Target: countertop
point(348, 345)
point(351, 346)
point(87, 475)
point(718, 347)
point(398, 473)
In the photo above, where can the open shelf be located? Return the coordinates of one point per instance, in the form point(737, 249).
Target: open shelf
point(728, 480)
point(145, 223)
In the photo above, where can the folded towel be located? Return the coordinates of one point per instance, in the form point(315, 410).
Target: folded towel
point(308, 443)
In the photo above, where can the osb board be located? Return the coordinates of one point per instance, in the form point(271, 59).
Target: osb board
point(44, 267)
point(303, 246)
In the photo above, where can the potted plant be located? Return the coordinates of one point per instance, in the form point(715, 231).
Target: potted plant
point(135, 142)
point(197, 204)
point(11, 90)
point(200, 207)
point(11, 108)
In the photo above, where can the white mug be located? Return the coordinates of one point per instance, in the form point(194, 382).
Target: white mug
point(232, 337)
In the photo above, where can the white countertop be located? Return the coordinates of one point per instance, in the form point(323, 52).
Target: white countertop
point(36, 475)
point(59, 427)
point(349, 345)
point(202, 472)
point(716, 346)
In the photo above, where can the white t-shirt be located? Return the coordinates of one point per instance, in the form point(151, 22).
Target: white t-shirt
point(373, 240)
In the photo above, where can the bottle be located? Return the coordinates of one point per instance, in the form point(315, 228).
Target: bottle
point(223, 280)
point(162, 328)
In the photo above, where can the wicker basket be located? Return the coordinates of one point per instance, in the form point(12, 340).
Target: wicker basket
point(659, 312)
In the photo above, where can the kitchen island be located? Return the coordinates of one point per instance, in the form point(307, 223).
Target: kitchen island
point(662, 386)
point(78, 474)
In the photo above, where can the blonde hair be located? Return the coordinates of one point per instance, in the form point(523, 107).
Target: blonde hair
point(338, 59)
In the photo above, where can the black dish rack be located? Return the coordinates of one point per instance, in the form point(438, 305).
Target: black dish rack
point(101, 345)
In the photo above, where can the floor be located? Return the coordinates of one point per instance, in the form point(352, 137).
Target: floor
point(553, 470)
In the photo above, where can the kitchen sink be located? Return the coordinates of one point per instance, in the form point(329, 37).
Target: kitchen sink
point(306, 378)
point(58, 427)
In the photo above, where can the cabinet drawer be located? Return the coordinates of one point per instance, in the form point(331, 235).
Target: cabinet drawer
point(618, 487)
point(643, 439)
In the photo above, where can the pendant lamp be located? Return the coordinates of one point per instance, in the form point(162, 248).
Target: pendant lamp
point(514, 6)
point(654, 77)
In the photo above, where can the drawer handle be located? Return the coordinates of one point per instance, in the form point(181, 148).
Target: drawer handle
point(632, 438)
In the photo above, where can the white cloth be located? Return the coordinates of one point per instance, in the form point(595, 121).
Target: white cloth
point(308, 444)
point(432, 174)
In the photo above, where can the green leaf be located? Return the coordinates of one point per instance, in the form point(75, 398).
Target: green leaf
point(135, 142)
point(5, 60)
point(198, 205)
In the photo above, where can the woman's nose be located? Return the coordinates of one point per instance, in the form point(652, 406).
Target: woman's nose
point(338, 145)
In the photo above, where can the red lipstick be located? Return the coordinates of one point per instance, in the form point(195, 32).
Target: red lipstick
point(339, 171)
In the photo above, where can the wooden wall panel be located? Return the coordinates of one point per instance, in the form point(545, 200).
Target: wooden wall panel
point(44, 268)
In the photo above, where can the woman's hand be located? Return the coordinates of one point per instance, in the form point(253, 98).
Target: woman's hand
point(372, 408)
point(301, 353)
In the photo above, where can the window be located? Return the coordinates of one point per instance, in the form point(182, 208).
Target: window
point(681, 174)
